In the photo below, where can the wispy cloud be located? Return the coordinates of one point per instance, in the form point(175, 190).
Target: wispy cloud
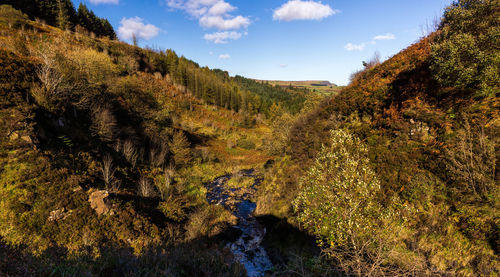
point(355, 47)
point(387, 36)
point(214, 14)
point(224, 56)
point(361, 46)
point(97, 2)
point(135, 26)
point(283, 65)
point(223, 37)
point(303, 10)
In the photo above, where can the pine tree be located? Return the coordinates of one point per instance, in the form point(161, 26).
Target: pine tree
point(83, 16)
point(62, 16)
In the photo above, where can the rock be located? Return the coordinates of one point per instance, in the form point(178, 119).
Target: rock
point(99, 203)
point(16, 135)
point(57, 215)
point(77, 189)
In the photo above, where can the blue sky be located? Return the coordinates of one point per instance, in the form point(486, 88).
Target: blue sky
point(274, 39)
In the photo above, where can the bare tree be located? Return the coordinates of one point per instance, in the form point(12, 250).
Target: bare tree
point(104, 123)
point(145, 188)
point(168, 175)
point(108, 173)
point(158, 154)
point(50, 78)
point(130, 153)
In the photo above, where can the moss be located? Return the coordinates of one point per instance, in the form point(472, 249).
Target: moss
point(241, 182)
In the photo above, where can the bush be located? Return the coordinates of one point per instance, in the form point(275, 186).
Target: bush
point(180, 148)
point(246, 144)
point(472, 162)
point(96, 67)
point(207, 221)
point(338, 203)
point(465, 54)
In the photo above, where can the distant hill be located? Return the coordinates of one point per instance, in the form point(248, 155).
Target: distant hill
point(299, 83)
point(319, 86)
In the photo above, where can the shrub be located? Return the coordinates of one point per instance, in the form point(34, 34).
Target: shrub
point(471, 161)
point(96, 67)
point(465, 54)
point(246, 144)
point(281, 127)
point(207, 221)
point(338, 203)
point(164, 182)
point(180, 149)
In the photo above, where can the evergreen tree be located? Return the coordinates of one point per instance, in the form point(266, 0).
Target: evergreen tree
point(83, 16)
point(62, 16)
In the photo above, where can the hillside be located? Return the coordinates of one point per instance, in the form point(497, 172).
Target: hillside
point(117, 160)
point(324, 87)
point(105, 149)
point(409, 151)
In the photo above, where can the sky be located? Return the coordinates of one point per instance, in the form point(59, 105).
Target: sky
point(274, 39)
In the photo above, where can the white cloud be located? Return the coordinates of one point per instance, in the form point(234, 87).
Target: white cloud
point(355, 47)
point(220, 8)
point(135, 26)
point(97, 2)
point(387, 36)
point(212, 14)
point(220, 23)
point(224, 56)
point(222, 37)
point(198, 7)
point(302, 10)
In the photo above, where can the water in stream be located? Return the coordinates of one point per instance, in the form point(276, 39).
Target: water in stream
point(247, 248)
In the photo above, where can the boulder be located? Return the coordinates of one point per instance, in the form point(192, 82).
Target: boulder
point(57, 215)
point(99, 202)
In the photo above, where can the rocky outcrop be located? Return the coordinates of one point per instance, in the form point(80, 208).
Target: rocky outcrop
point(59, 214)
point(99, 202)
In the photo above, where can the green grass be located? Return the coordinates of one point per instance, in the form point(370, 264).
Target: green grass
point(240, 182)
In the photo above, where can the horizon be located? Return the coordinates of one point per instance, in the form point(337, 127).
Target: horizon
point(266, 40)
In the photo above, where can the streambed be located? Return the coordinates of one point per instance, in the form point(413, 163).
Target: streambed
point(247, 249)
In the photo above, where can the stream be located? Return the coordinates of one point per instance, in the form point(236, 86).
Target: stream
point(247, 248)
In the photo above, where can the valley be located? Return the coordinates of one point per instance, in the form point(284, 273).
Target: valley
point(121, 160)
